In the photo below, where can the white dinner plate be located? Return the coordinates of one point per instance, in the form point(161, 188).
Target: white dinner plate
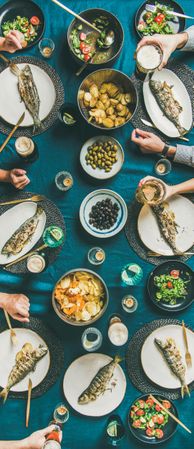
point(97, 173)
point(79, 375)
point(8, 353)
point(90, 200)
point(180, 94)
point(149, 232)
point(11, 106)
point(11, 220)
point(154, 364)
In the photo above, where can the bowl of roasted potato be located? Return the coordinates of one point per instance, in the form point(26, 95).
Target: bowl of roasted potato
point(107, 99)
point(80, 297)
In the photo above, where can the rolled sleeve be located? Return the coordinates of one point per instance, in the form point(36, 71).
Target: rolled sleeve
point(185, 155)
point(189, 46)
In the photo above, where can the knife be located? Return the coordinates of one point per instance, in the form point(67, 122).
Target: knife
point(145, 122)
point(152, 8)
point(28, 402)
point(12, 132)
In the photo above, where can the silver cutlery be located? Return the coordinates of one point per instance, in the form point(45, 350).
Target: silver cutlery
point(152, 8)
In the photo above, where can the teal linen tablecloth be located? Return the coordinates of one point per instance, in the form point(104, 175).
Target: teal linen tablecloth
point(59, 149)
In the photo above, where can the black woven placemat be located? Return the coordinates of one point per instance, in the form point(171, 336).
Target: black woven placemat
point(133, 361)
point(5, 128)
point(186, 75)
point(56, 350)
point(53, 217)
point(134, 240)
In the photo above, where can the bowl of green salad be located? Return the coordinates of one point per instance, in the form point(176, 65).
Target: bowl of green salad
point(170, 286)
point(156, 17)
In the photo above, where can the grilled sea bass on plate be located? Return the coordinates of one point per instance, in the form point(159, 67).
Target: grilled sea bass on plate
point(174, 360)
point(28, 92)
point(25, 362)
point(99, 383)
point(166, 101)
point(22, 235)
point(167, 225)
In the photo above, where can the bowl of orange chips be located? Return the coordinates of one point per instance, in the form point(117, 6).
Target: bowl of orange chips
point(80, 297)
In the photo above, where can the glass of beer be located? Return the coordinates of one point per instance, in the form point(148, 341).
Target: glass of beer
point(26, 149)
point(148, 58)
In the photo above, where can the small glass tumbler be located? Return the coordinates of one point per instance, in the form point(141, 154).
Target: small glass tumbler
point(46, 47)
point(115, 431)
point(131, 274)
point(91, 339)
point(61, 413)
point(129, 303)
point(163, 167)
point(63, 181)
point(96, 256)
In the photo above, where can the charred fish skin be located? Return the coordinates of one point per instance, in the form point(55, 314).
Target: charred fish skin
point(22, 235)
point(166, 101)
point(99, 383)
point(28, 92)
point(25, 365)
point(173, 358)
point(167, 225)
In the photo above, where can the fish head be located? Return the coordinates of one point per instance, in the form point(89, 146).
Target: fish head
point(83, 399)
point(155, 85)
point(158, 342)
point(39, 210)
point(41, 351)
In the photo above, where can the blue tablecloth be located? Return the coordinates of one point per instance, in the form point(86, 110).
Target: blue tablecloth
point(59, 149)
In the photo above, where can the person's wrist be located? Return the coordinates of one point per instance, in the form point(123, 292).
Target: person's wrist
point(2, 43)
point(5, 175)
point(3, 300)
point(25, 444)
point(182, 39)
point(171, 152)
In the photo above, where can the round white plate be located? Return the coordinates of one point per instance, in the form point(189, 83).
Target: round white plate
point(8, 353)
point(11, 106)
point(180, 94)
point(79, 375)
point(91, 200)
point(97, 173)
point(154, 364)
point(184, 217)
point(11, 220)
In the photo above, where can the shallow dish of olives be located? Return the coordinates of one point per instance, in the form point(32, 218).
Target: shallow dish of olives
point(102, 157)
point(103, 213)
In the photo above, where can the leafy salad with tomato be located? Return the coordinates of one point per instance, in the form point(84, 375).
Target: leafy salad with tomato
point(28, 27)
point(171, 287)
point(157, 21)
point(149, 416)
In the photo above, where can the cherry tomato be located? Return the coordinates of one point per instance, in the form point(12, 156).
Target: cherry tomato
point(86, 57)
point(86, 49)
point(141, 403)
point(135, 408)
point(159, 433)
point(157, 408)
point(155, 418)
point(140, 412)
point(166, 404)
point(150, 402)
point(169, 284)
point(149, 432)
point(160, 419)
point(175, 274)
point(136, 423)
point(82, 36)
point(141, 25)
point(35, 20)
point(159, 18)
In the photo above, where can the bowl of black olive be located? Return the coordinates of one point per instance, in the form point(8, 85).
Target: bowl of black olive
point(103, 213)
point(87, 45)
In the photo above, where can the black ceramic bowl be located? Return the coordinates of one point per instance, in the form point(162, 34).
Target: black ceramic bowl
point(166, 268)
point(105, 76)
point(169, 429)
point(178, 25)
point(23, 8)
point(71, 109)
point(114, 24)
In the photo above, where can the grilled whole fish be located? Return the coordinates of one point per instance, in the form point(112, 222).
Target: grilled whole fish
point(166, 101)
point(174, 360)
point(167, 225)
point(22, 235)
point(28, 92)
point(25, 362)
point(99, 383)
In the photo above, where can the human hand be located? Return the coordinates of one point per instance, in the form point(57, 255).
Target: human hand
point(18, 178)
point(17, 305)
point(148, 142)
point(37, 439)
point(13, 41)
point(167, 43)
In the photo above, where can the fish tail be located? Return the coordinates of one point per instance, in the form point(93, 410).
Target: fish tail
point(184, 390)
point(118, 358)
point(37, 125)
point(4, 394)
point(14, 69)
point(182, 130)
point(39, 210)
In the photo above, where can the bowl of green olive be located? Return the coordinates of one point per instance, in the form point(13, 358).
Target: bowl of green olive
point(102, 157)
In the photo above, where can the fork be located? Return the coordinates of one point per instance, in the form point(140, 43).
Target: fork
point(188, 357)
point(12, 332)
point(153, 254)
point(22, 200)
